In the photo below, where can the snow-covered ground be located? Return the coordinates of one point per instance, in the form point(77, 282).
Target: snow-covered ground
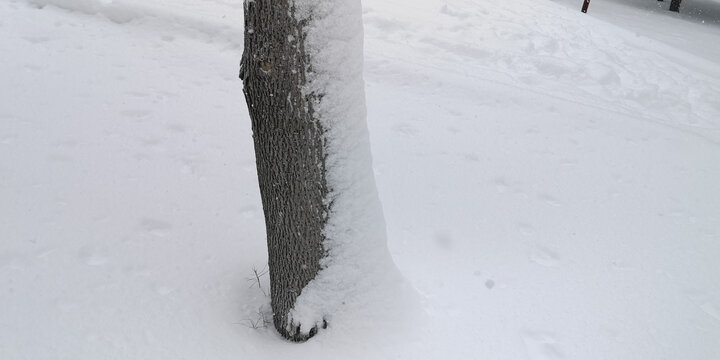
point(549, 180)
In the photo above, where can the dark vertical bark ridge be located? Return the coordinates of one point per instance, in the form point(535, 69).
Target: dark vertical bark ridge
point(289, 152)
point(675, 5)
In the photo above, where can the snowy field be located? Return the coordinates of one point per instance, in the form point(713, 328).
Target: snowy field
point(550, 182)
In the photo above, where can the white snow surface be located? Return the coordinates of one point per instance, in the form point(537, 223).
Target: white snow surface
point(548, 179)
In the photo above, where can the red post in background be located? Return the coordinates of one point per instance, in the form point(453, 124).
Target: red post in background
point(586, 3)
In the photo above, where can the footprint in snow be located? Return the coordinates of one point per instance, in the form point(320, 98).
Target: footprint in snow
point(92, 256)
point(36, 39)
point(163, 290)
point(490, 284)
point(471, 157)
point(155, 227)
point(443, 241)
point(621, 265)
point(501, 185)
point(446, 10)
point(711, 310)
point(705, 303)
point(32, 67)
point(405, 129)
point(386, 25)
point(545, 257)
point(542, 345)
point(526, 229)
point(248, 212)
point(8, 140)
point(8, 259)
point(550, 200)
point(175, 128)
point(135, 113)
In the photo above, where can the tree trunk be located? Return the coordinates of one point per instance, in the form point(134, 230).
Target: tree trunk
point(675, 5)
point(289, 151)
point(585, 5)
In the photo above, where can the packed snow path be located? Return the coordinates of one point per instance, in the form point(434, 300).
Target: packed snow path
point(549, 180)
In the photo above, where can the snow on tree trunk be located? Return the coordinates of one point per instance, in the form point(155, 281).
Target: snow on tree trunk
point(302, 75)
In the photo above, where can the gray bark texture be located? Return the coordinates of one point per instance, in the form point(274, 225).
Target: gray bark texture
point(289, 152)
point(675, 5)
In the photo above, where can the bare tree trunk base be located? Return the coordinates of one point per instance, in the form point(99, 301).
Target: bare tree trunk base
point(289, 152)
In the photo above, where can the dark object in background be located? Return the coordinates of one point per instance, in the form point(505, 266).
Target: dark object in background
point(675, 5)
point(586, 3)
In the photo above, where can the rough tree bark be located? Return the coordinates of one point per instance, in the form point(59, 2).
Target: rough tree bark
point(289, 153)
point(675, 5)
